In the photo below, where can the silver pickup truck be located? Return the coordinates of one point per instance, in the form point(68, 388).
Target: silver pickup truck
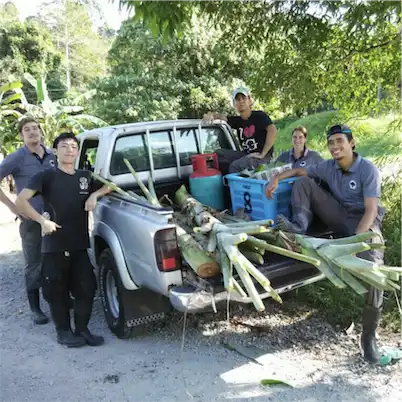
point(133, 246)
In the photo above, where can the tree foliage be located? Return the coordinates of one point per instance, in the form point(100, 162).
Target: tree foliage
point(28, 48)
point(343, 52)
point(155, 79)
point(54, 116)
point(84, 50)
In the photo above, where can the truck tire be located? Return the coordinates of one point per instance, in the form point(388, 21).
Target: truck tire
point(111, 291)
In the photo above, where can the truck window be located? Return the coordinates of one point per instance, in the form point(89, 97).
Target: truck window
point(89, 151)
point(135, 148)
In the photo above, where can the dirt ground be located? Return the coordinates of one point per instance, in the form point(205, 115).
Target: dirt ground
point(295, 346)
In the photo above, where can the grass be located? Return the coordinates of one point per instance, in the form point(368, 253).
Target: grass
point(378, 140)
point(374, 137)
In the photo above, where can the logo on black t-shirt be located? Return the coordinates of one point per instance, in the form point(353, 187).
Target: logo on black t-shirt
point(51, 163)
point(303, 163)
point(84, 183)
point(246, 135)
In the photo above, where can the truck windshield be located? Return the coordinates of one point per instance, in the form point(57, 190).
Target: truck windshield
point(134, 147)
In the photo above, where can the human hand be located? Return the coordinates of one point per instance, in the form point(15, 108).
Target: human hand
point(49, 227)
point(90, 204)
point(271, 187)
point(208, 118)
point(256, 155)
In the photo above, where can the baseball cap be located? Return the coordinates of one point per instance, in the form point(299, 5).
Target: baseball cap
point(340, 129)
point(240, 90)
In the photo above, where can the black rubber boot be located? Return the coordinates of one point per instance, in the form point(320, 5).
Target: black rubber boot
point(371, 318)
point(91, 340)
point(67, 338)
point(38, 316)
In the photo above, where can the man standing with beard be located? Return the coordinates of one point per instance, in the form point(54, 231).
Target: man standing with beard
point(23, 164)
point(255, 130)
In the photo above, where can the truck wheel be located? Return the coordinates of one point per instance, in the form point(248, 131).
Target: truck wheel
point(111, 291)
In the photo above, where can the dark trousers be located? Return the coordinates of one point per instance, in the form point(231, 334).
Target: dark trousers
point(231, 161)
point(66, 272)
point(31, 239)
point(309, 200)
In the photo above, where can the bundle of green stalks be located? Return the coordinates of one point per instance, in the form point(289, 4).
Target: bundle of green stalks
point(220, 246)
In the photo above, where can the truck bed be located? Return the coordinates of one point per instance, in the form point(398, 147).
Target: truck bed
point(284, 273)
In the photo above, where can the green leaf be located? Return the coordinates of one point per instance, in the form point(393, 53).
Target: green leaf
point(31, 80)
point(267, 382)
point(11, 98)
point(11, 86)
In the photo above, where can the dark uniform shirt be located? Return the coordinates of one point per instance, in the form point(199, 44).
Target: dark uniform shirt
point(22, 165)
point(64, 198)
point(252, 132)
point(350, 188)
point(308, 158)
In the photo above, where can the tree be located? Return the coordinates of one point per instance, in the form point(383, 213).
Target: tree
point(54, 116)
point(151, 79)
point(342, 52)
point(27, 48)
point(70, 22)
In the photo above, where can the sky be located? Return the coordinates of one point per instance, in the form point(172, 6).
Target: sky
point(113, 16)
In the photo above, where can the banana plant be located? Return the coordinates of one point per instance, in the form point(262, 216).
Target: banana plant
point(54, 116)
point(57, 116)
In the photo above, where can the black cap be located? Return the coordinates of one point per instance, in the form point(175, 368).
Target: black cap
point(340, 129)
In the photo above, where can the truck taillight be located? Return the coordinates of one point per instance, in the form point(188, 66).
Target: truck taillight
point(166, 250)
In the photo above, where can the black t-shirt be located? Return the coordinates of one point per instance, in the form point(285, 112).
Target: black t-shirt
point(64, 197)
point(252, 132)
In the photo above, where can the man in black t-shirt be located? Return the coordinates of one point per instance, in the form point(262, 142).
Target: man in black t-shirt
point(68, 195)
point(255, 130)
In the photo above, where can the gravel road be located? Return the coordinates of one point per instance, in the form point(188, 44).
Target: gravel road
point(295, 345)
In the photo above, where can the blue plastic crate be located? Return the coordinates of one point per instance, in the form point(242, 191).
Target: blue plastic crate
point(248, 194)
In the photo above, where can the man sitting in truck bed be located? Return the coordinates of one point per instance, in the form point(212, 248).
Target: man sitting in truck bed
point(255, 130)
point(351, 207)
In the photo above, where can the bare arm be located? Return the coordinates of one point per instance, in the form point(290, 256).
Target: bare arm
point(269, 140)
point(370, 213)
point(7, 202)
point(273, 184)
point(25, 208)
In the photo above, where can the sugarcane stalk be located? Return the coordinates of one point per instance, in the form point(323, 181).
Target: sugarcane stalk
point(195, 256)
point(348, 278)
point(116, 188)
point(355, 263)
point(261, 279)
point(238, 288)
point(368, 278)
point(287, 253)
point(212, 242)
point(325, 269)
point(248, 247)
point(249, 285)
point(250, 230)
point(265, 222)
point(225, 264)
point(152, 200)
point(253, 256)
point(334, 251)
point(393, 285)
point(315, 242)
point(151, 187)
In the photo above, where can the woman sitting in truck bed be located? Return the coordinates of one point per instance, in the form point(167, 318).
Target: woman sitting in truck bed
point(299, 155)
